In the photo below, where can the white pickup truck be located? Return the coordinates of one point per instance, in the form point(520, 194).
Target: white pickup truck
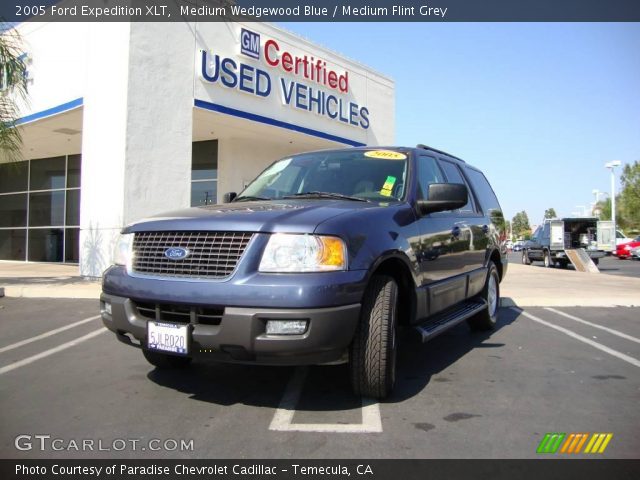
point(553, 239)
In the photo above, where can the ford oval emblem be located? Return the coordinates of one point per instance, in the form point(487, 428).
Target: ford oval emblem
point(176, 253)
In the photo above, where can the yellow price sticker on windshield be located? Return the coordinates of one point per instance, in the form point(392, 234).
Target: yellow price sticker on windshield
point(387, 188)
point(385, 154)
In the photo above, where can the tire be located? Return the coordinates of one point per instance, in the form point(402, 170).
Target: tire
point(165, 362)
point(487, 318)
point(372, 356)
point(525, 258)
point(548, 263)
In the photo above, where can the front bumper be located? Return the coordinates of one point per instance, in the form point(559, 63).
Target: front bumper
point(241, 337)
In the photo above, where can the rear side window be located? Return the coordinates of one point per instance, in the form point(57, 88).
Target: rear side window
point(484, 192)
point(454, 176)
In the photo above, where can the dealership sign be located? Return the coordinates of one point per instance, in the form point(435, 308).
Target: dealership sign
point(304, 82)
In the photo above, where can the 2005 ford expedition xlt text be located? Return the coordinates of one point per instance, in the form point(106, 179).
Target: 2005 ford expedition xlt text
point(319, 260)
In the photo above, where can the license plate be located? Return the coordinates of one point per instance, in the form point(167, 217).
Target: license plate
point(168, 337)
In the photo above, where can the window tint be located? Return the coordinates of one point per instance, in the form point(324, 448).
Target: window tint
point(204, 172)
point(454, 176)
point(74, 164)
point(483, 190)
point(372, 175)
point(428, 173)
point(13, 210)
point(547, 230)
point(13, 177)
point(48, 173)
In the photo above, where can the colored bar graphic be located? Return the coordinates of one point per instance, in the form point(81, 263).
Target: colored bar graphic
point(573, 443)
point(550, 442)
point(598, 443)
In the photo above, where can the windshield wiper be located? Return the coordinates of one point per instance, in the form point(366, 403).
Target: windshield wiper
point(325, 195)
point(250, 198)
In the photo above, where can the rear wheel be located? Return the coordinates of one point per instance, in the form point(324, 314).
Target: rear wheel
point(372, 356)
point(563, 263)
point(487, 318)
point(165, 362)
point(547, 259)
point(525, 258)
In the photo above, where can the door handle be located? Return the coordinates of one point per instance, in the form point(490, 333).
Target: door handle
point(455, 231)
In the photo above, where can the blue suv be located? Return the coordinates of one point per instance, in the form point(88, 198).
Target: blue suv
point(321, 259)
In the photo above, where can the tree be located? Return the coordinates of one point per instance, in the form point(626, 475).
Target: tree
point(550, 213)
point(520, 224)
point(630, 195)
point(13, 89)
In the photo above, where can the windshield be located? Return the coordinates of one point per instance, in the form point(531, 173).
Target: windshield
point(368, 175)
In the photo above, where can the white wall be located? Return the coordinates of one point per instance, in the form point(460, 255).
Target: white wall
point(104, 145)
point(159, 119)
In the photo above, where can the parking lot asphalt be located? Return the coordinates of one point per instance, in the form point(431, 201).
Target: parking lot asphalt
point(462, 395)
point(611, 265)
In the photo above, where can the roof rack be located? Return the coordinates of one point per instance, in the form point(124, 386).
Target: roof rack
point(426, 147)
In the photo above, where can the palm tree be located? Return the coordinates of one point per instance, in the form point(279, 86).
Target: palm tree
point(13, 89)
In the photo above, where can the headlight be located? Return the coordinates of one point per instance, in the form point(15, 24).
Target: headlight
point(303, 253)
point(122, 251)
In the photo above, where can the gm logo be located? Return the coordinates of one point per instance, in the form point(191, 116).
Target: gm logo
point(250, 43)
point(176, 253)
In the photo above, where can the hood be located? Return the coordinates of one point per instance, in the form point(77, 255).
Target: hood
point(294, 216)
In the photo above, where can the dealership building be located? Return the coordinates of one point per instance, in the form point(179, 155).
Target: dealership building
point(128, 120)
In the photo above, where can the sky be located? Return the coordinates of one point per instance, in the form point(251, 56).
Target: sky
point(539, 107)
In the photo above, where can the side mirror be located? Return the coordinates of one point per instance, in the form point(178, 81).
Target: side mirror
point(229, 197)
point(443, 197)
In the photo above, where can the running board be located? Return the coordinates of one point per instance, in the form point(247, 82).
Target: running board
point(451, 319)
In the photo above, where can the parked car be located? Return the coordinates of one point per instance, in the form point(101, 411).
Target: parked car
point(319, 260)
point(551, 240)
point(518, 246)
point(624, 249)
point(621, 237)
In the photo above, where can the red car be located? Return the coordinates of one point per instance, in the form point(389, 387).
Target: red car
point(624, 249)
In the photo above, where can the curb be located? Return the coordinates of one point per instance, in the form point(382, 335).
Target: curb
point(78, 291)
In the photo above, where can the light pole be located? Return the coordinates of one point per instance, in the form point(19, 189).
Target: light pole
point(611, 166)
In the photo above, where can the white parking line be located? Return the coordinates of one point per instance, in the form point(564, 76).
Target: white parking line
point(595, 325)
point(51, 351)
point(610, 351)
point(283, 418)
point(46, 334)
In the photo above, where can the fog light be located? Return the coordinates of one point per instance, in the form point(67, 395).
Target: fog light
point(286, 327)
point(107, 308)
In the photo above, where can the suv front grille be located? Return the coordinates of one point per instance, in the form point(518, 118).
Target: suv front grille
point(180, 313)
point(211, 254)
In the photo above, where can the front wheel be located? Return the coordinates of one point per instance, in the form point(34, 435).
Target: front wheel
point(164, 361)
point(372, 356)
point(487, 318)
point(525, 258)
